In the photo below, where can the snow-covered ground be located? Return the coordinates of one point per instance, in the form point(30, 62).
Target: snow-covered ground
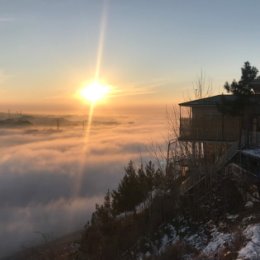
point(218, 241)
point(251, 250)
point(252, 152)
point(209, 240)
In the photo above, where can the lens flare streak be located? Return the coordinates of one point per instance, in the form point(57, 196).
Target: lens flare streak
point(97, 93)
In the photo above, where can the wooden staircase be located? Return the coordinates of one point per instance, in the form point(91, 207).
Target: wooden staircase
point(227, 157)
point(197, 179)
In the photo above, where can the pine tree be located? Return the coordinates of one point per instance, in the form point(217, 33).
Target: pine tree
point(158, 178)
point(131, 190)
point(150, 173)
point(242, 87)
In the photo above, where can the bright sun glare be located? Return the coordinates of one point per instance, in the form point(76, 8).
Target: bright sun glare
point(94, 92)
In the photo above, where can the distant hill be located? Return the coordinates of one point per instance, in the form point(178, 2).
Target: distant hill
point(14, 122)
point(59, 121)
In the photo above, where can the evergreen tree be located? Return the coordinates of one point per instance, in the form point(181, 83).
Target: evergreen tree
point(128, 194)
point(150, 173)
point(97, 240)
point(242, 87)
point(104, 237)
point(158, 178)
point(134, 188)
point(142, 182)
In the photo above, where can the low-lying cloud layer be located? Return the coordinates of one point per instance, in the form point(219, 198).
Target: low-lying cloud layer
point(51, 180)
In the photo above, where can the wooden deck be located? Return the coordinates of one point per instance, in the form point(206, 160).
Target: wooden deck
point(209, 129)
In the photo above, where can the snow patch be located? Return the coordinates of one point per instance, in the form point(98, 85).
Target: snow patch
point(252, 152)
point(218, 241)
point(232, 217)
point(249, 204)
point(252, 249)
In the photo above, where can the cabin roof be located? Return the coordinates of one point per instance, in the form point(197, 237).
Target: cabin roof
point(208, 101)
point(215, 100)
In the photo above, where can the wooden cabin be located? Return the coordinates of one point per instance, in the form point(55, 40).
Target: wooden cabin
point(214, 124)
point(202, 120)
point(219, 134)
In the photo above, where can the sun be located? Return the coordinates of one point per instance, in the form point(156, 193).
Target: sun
point(94, 92)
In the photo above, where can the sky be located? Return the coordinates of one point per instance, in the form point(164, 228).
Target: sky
point(152, 51)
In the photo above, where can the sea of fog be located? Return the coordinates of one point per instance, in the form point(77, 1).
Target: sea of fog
point(52, 172)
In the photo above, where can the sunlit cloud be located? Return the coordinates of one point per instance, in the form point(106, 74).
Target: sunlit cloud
point(136, 89)
point(40, 167)
point(132, 91)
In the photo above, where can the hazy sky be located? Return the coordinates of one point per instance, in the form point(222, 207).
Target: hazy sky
point(151, 47)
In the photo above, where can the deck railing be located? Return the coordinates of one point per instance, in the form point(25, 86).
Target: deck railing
point(214, 129)
point(253, 138)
